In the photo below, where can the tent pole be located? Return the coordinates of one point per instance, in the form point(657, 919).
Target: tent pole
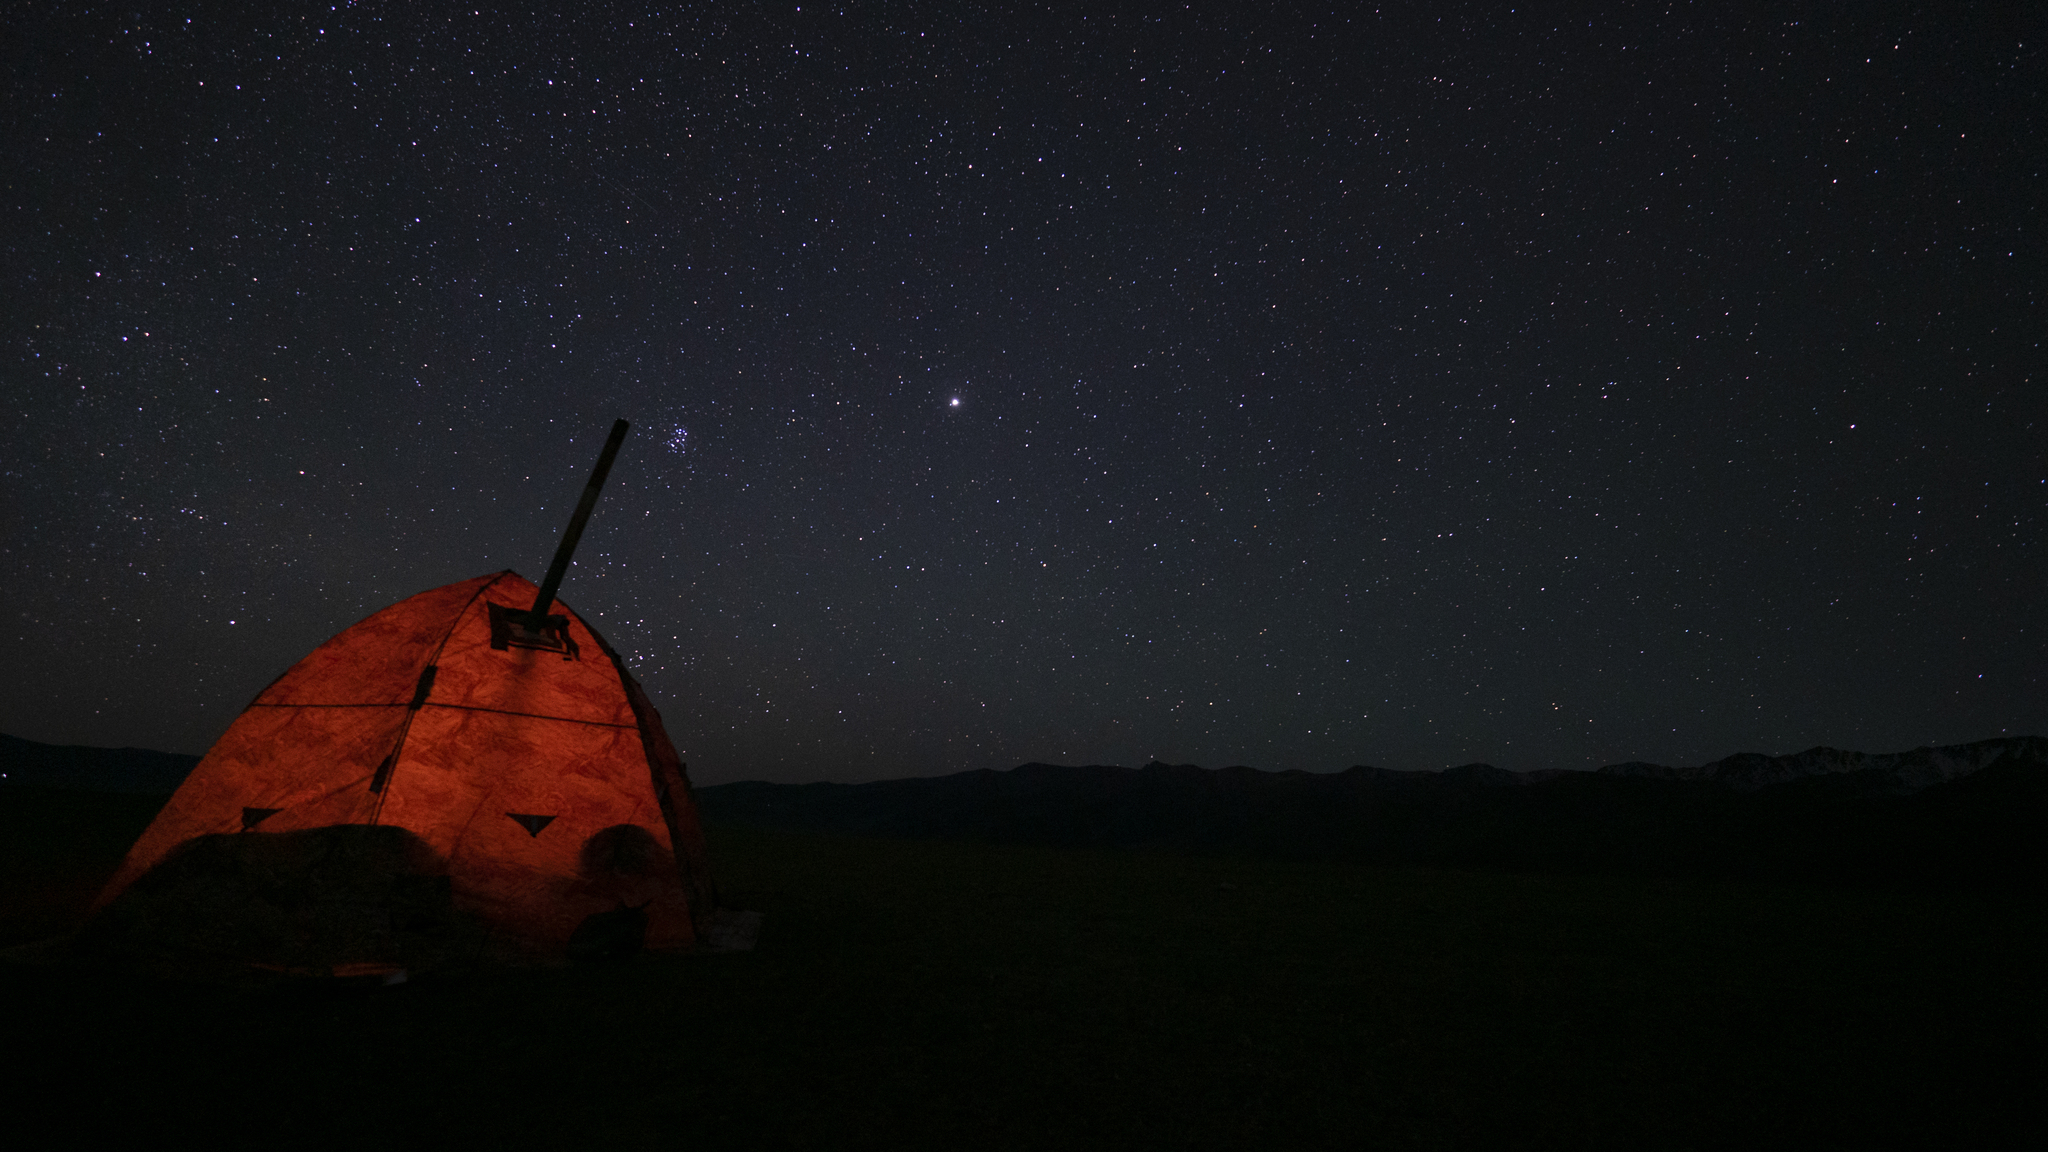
point(574, 532)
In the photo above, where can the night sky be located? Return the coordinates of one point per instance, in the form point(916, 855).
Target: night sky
point(1215, 384)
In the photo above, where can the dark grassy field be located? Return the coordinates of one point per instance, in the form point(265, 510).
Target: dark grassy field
point(930, 994)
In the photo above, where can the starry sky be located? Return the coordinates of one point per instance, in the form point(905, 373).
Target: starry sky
point(1549, 385)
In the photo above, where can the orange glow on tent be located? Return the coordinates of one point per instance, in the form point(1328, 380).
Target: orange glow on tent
point(526, 766)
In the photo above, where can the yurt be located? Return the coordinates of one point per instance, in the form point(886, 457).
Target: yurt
point(471, 773)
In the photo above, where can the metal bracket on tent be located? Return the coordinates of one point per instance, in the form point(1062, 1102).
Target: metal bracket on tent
point(515, 628)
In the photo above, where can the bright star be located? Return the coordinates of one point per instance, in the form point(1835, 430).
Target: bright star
point(953, 403)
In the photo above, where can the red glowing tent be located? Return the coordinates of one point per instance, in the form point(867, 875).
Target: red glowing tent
point(461, 772)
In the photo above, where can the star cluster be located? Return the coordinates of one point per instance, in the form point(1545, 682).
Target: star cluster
point(1226, 384)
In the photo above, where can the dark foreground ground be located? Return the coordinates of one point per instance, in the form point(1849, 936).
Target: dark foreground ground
point(940, 994)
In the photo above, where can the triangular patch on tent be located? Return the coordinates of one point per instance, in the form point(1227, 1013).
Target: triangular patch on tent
point(251, 817)
point(532, 824)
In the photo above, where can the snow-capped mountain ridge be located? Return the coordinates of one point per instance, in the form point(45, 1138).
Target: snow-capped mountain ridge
point(1905, 772)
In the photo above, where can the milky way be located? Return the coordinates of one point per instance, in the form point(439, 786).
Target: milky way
point(1219, 385)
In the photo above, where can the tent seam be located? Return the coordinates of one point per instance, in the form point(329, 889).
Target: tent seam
point(467, 708)
point(433, 661)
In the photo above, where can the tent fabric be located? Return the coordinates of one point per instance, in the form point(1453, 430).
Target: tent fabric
point(538, 780)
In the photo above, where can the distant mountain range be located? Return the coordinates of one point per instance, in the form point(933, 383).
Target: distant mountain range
point(76, 766)
point(1973, 814)
point(1897, 773)
point(1968, 813)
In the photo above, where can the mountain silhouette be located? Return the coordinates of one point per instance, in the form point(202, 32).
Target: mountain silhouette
point(82, 768)
point(1955, 814)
